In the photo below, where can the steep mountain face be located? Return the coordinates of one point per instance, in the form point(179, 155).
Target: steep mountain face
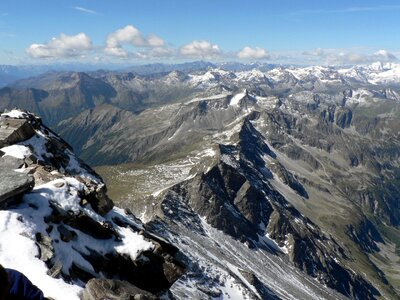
point(59, 227)
point(235, 197)
point(274, 183)
point(255, 167)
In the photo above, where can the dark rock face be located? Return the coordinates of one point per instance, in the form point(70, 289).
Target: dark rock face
point(235, 197)
point(288, 178)
point(343, 117)
point(365, 235)
point(260, 287)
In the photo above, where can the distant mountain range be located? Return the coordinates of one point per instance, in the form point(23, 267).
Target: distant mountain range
point(276, 182)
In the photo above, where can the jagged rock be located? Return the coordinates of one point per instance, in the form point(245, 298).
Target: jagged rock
point(98, 198)
point(91, 227)
point(235, 196)
point(343, 117)
point(100, 289)
point(13, 131)
point(72, 227)
point(251, 203)
point(13, 184)
point(46, 248)
point(260, 287)
point(43, 174)
point(66, 235)
point(154, 271)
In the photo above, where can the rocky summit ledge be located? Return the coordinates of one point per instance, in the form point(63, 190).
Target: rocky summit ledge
point(13, 129)
point(68, 237)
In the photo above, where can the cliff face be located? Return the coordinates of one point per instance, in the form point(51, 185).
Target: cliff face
point(65, 231)
point(235, 197)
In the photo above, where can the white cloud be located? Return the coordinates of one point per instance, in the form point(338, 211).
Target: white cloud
point(85, 10)
point(359, 58)
point(156, 53)
point(61, 47)
point(201, 49)
point(344, 57)
point(315, 52)
point(253, 53)
point(129, 35)
point(386, 55)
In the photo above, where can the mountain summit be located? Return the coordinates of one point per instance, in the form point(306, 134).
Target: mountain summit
point(63, 230)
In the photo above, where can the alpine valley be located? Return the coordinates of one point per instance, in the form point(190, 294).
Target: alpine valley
point(235, 181)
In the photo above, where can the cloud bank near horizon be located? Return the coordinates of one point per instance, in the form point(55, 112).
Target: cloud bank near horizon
point(129, 43)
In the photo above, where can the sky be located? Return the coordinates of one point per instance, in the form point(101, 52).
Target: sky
point(131, 31)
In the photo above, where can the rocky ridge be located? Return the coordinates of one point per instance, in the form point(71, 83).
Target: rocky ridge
point(235, 197)
point(65, 230)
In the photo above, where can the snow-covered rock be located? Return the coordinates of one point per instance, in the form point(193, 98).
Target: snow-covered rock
point(65, 230)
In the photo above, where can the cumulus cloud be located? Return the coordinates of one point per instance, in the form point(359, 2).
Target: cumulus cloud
point(253, 53)
point(200, 49)
point(129, 35)
point(61, 47)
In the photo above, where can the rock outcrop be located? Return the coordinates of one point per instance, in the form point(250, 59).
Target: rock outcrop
point(60, 207)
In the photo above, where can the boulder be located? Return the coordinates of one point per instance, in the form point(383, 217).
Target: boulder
point(98, 289)
point(13, 184)
point(10, 162)
point(13, 131)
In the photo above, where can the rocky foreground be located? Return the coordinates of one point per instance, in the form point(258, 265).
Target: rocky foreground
point(58, 226)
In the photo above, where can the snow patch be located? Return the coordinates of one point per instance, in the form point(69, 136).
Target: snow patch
point(236, 99)
point(17, 151)
point(133, 244)
point(15, 114)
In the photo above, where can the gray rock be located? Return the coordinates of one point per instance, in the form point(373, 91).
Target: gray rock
point(98, 198)
point(13, 131)
point(99, 289)
point(13, 184)
point(10, 162)
point(46, 249)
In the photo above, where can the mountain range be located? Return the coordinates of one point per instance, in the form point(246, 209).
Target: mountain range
point(273, 182)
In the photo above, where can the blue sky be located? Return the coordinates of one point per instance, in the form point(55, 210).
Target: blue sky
point(291, 31)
